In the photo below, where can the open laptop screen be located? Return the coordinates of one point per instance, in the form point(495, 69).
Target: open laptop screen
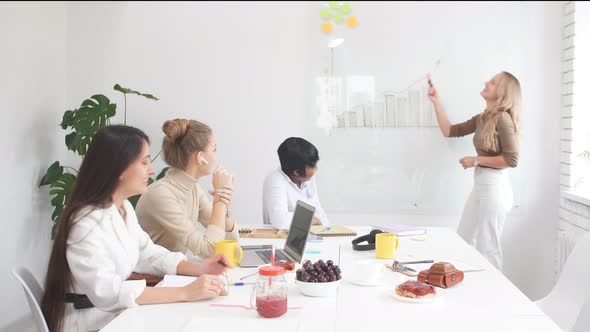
point(299, 230)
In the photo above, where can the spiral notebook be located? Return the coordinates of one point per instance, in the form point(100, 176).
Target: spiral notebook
point(332, 231)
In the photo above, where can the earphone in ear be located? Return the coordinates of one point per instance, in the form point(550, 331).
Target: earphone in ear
point(204, 160)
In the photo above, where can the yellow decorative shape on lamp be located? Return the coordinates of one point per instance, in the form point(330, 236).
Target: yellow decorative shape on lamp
point(352, 21)
point(346, 8)
point(333, 4)
point(325, 14)
point(327, 27)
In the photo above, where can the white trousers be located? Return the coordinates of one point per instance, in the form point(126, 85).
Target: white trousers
point(485, 211)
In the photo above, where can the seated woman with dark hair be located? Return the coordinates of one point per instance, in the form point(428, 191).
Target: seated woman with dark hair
point(292, 182)
point(99, 243)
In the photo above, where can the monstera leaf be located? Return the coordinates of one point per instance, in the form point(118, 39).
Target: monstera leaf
point(53, 173)
point(125, 91)
point(93, 114)
point(60, 185)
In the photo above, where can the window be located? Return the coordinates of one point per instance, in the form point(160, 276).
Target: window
point(580, 159)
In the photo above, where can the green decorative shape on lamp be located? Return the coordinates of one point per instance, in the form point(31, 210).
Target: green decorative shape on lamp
point(338, 18)
point(346, 8)
point(333, 4)
point(325, 13)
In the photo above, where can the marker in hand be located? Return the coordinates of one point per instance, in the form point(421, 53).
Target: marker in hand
point(222, 263)
point(430, 83)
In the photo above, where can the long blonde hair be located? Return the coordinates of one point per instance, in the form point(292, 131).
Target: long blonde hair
point(183, 139)
point(509, 102)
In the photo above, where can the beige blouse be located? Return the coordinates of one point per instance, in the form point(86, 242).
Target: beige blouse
point(505, 136)
point(170, 210)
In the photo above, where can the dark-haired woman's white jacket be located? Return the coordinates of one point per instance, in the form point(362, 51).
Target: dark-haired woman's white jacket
point(103, 250)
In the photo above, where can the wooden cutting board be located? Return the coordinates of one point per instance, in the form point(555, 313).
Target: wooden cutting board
point(263, 233)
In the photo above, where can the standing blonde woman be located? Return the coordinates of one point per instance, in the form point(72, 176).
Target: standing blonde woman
point(496, 142)
point(174, 205)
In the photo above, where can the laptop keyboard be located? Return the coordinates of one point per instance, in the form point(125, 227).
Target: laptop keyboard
point(265, 255)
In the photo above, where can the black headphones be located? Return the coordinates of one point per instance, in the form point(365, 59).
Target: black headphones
point(370, 238)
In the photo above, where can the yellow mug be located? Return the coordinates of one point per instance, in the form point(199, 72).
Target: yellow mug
point(231, 250)
point(386, 245)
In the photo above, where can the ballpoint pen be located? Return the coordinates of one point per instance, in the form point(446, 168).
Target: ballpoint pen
point(241, 283)
point(417, 262)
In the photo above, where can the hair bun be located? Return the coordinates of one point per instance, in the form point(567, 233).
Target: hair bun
point(176, 128)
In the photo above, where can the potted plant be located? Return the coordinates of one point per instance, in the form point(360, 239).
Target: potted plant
point(93, 114)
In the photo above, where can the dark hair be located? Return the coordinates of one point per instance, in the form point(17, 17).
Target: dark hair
point(295, 153)
point(112, 150)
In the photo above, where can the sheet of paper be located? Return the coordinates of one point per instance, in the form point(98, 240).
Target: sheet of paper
point(457, 264)
point(289, 322)
point(175, 281)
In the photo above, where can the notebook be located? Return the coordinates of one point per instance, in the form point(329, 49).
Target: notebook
point(401, 230)
point(332, 231)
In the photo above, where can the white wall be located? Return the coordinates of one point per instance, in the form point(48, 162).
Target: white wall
point(247, 70)
point(416, 170)
point(239, 67)
point(32, 86)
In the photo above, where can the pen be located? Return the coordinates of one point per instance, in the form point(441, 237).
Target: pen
point(417, 262)
point(241, 283)
point(221, 263)
point(429, 80)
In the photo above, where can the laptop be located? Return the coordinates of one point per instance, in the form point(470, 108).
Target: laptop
point(257, 255)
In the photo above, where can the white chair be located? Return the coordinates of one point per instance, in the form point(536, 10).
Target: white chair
point(583, 322)
point(567, 297)
point(33, 292)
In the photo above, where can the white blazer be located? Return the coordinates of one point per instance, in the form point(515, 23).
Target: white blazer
point(279, 199)
point(102, 252)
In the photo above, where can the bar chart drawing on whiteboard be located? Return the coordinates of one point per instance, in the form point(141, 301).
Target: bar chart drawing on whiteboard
point(351, 102)
point(343, 105)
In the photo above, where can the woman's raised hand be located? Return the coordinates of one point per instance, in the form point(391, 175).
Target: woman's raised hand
point(221, 178)
point(433, 95)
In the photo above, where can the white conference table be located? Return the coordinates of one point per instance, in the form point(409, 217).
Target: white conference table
point(484, 301)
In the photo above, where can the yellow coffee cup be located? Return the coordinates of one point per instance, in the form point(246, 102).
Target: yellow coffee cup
point(386, 245)
point(231, 250)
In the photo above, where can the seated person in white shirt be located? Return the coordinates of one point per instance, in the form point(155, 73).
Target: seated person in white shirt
point(293, 181)
point(99, 243)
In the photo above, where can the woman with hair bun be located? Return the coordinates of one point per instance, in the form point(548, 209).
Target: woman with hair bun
point(173, 206)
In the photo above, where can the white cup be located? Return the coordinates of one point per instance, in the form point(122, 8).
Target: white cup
point(366, 272)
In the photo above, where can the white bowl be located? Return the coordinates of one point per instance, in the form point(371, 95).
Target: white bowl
point(318, 289)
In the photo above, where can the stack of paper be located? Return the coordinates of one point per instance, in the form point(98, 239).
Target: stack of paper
point(457, 264)
point(175, 281)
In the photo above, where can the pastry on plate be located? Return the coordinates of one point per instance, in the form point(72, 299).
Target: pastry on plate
point(415, 290)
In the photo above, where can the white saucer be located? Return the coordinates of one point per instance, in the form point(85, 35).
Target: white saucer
point(382, 280)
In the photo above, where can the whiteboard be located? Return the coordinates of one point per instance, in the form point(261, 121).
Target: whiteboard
point(373, 167)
